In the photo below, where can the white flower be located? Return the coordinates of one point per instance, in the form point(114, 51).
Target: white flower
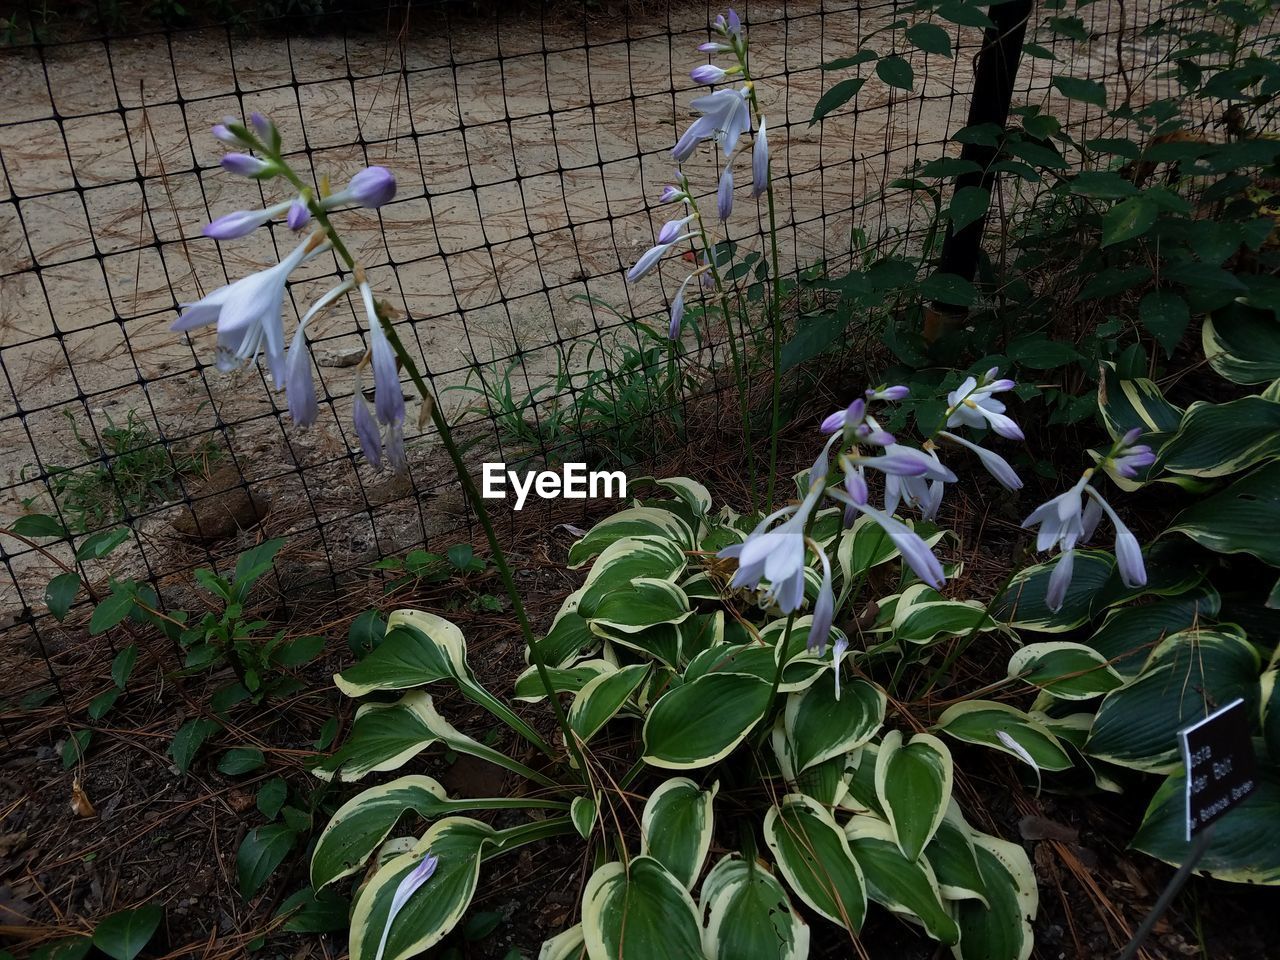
point(726, 116)
point(972, 405)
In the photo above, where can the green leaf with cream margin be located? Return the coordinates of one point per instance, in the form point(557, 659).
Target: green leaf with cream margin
point(639, 907)
point(748, 916)
point(981, 722)
point(1069, 671)
point(818, 726)
point(922, 622)
point(1126, 404)
point(1243, 847)
point(1188, 674)
point(420, 648)
point(865, 545)
point(602, 697)
point(632, 522)
point(676, 827)
point(814, 857)
point(1002, 930)
point(899, 884)
point(1218, 439)
point(951, 855)
point(428, 915)
point(1242, 518)
point(646, 603)
point(361, 824)
point(700, 722)
point(913, 784)
point(566, 945)
point(385, 736)
point(1022, 605)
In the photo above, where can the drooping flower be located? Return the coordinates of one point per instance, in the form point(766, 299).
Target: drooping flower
point(911, 545)
point(670, 231)
point(824, 609)
point(1133, 571)
point(1060, 519)
point(1128, 456)
point(243, 222)
point(247, 165)
point(760, 161)
point(648, 260)
point(725, 117)
point(405, 889)
point(299, 214)
point(677, 309)
point(972, 405)
point(778, 554)
point(992, 462)
point(300, 388)
point(248, 313)
point(837, 657)
point(897, 392)
point(724, 195)
point(371, 187)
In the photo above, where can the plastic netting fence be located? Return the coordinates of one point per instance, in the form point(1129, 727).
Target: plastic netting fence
point(530, 145)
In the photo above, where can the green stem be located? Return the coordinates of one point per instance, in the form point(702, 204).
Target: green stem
point(464, 477)
point(738, 370)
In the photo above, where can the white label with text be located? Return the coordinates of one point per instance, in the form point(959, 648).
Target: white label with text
point(573, 482)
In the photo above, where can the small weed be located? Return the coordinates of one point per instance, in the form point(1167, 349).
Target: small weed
point(135, 468)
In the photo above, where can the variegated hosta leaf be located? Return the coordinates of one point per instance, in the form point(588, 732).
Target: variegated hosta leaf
point(569, 635)
point(700, 722)
point(646, 603)
point(385, 736)
point(901, 885)
point(602, 697)
point(1242, 518)
point(623, 561)
point(421, 648)
point(692, 494)
point(1069, 671)
point(1269, 704)
point(747, 915)
point(363, 822)
point(1218, 439)
point(922, 622)
point(1188, 675)
point(1243, 848)
point(676, 827)
point(951, 855)
point(913, 784)
point(528, 685)
point(639, 911)
point(583, 814)
point(567, 945)
point(1242, 344)
point(1000, 930)
point(701, 632)
point(860, 775)
point(982, 721)
point(818, 726)
point(433, 910)
point(1022, 604)
point(661, 642)
point(1129, 634)
point(814, 857)
point(632, 522)
point(1126, 404)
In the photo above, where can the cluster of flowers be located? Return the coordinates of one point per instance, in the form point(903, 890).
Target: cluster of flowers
point(724, 116)
point(249, 312)
point(773, 559)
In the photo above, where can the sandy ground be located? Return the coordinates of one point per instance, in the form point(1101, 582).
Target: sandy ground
point(529, 157)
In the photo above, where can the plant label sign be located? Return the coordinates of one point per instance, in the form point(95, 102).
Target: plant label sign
point(1221, 768)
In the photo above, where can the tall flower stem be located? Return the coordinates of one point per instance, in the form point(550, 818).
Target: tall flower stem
point(775, 307)
point(460, 468)
point(744, 405)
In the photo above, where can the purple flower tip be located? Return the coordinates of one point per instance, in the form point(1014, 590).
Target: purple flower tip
point(244, 165)
point(372, 186)
point(299, 214)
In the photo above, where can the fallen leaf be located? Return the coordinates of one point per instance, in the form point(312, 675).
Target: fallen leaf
point(80, 804)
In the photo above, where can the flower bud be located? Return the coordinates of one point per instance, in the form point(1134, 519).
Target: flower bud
point(299, 214)
point(372, 187)
point(724, 196)
point(708, 73)
point(245, 165)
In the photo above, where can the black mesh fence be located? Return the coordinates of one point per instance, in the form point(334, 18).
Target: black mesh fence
point(530, 145)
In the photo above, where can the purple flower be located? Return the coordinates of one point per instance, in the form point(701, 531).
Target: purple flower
point(1133, 571)
point(992, 462)
point(263, 127)
point(367, 431)
point(724, 195)
point(246, 165)
point(760, 162)
point(648, 260)
point(371, 187)
point(299, 214)
point(1060, 519)
point(852, 415)
point(824, 609)
point(223, 133)
point(670, 193)
point(300, 389)
point(1060, 580)
point(708, 73)
point(677, 310)
point(914, 550)
point(1128, 456)
point(888, 393)
point(714, 47)
point(248, 312)
point(242, 222)
point(725, 117)
point(405, 889)
point(670, 231)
